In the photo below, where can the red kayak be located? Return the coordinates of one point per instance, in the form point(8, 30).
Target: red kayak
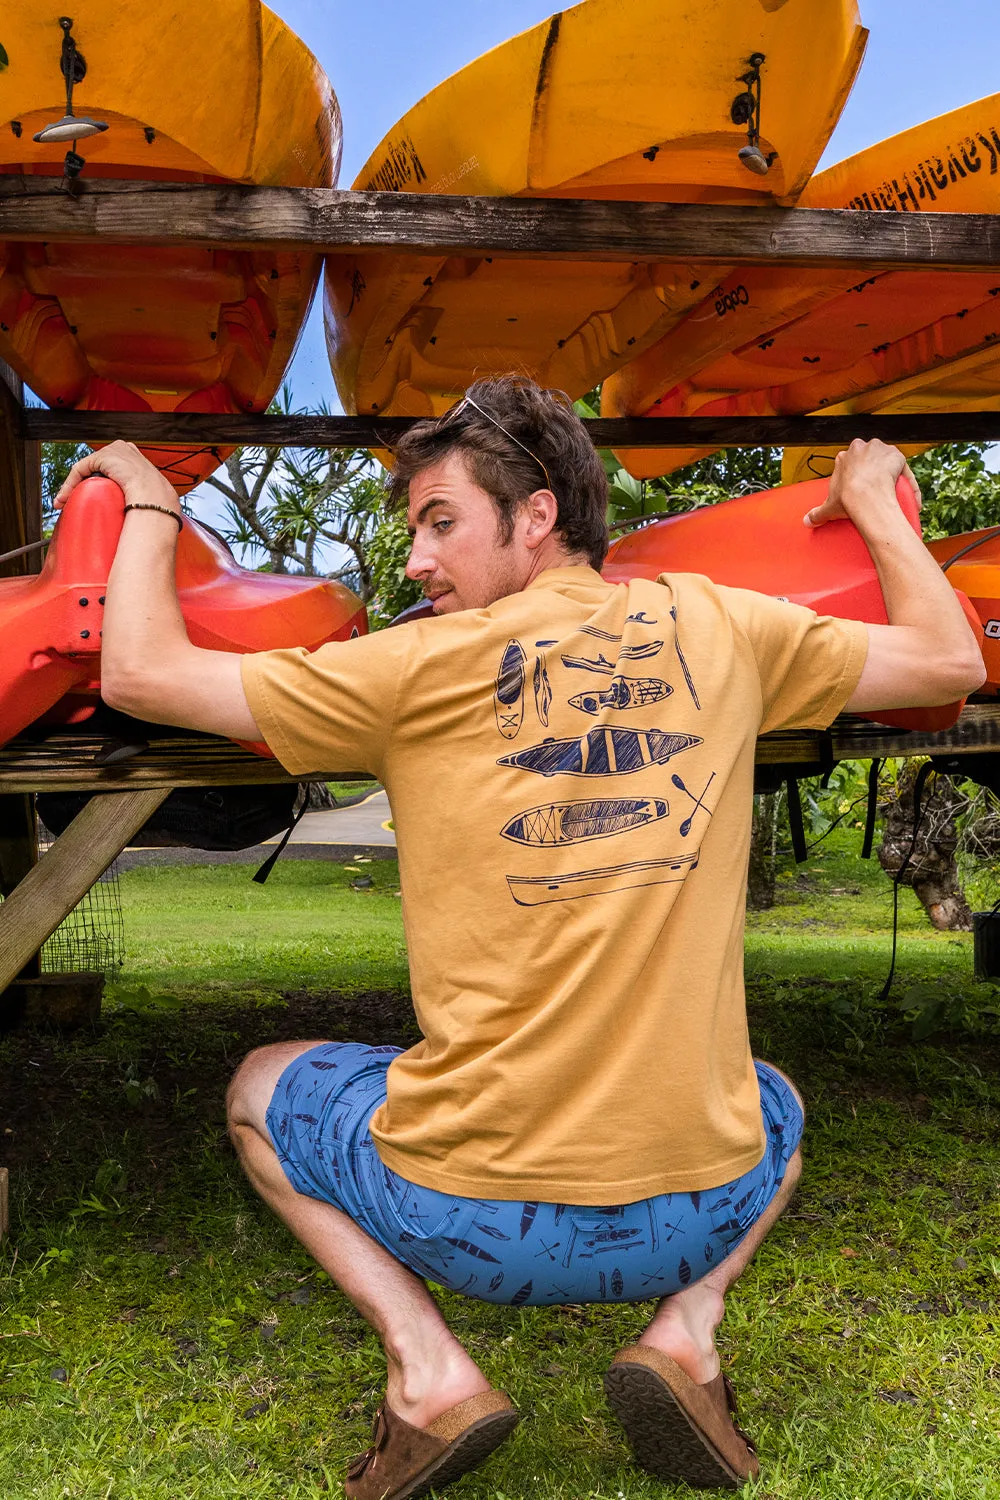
point(50, 624)
point(759, 542)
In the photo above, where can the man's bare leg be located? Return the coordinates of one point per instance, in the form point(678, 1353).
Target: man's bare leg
point(684, 1325)
point(429, 1371)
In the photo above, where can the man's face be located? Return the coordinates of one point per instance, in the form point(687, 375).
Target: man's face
point(456, 554)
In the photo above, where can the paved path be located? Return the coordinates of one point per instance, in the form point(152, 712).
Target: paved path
point(336, 835)
point(363, 823)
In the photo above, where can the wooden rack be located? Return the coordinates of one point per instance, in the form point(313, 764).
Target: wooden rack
point(42, 208)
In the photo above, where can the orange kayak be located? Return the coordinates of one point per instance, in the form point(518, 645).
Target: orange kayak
point(972, 562)
point(759, 542)
point(50, 624)
point(778, 341)
point(189, 93)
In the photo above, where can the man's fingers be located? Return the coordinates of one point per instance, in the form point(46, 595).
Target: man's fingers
point(914, 485)
point(83, 467)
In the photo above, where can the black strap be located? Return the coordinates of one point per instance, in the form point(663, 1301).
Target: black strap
point(827, 759)
point(272, 859)
point(918, 792)
point(795, 821)
point(873, 775)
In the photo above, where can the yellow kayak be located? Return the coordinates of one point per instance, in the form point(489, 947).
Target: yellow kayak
point(772, 340)
point(606, 100)
point(189, 93)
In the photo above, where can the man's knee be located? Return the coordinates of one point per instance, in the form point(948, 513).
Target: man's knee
point(252, 1086)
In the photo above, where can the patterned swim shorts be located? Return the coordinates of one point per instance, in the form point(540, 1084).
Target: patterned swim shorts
point(496, 1249)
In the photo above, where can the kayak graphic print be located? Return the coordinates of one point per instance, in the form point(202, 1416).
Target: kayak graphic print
point(606, 750)
point(623, 692)
point(508, 699)
point(574, 822)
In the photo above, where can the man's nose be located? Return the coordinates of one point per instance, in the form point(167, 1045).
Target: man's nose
point(419, 564)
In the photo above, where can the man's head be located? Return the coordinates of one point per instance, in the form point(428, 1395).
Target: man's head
point(503, 486)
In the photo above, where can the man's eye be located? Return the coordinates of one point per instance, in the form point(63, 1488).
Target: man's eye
point(442, 525)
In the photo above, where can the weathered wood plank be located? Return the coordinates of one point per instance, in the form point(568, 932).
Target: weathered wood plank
point(65, 762)
point(165, 213)
point(4, 1203)
point(204, 429)
point(77, 859)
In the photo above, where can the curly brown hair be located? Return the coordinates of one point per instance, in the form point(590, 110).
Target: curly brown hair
point(557, 455)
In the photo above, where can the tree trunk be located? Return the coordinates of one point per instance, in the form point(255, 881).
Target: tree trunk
point(763, 851)
point(319, 797)
point(933, 868)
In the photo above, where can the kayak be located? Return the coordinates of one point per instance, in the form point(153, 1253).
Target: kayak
point(51, 623)
point(778, 341)
point(189, 93)
point(976, 571)
point(606, 101)
point(759, 542)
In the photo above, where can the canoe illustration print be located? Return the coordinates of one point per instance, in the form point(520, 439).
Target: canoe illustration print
point(574, 822)
point(603, 751)
point(508, 700)
point(536, 890)
point(623, 692)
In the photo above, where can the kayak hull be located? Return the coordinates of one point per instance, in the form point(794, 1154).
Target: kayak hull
point(50, 624)
point(97, 327)
point(759, 542)
point(769, 342)
point(542, 116)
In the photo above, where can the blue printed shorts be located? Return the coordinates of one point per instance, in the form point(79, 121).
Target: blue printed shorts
point(496, 1249)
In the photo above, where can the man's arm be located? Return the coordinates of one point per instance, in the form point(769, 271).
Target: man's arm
point(149, 667)
point(927, 654)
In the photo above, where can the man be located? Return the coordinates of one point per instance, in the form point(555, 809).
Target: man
point(570, 769)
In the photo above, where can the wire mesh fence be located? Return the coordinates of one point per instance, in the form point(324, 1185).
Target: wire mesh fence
point(92, 938)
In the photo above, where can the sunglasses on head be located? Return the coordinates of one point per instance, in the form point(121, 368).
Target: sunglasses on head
point(468, 401)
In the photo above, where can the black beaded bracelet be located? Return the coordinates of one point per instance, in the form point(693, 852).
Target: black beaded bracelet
point(164, 511)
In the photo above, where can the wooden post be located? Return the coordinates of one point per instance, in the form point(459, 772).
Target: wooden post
point(20, 522)
point(4, 1204)
point(77, 859)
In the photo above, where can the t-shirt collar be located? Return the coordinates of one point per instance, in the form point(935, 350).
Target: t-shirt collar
point(573, 574)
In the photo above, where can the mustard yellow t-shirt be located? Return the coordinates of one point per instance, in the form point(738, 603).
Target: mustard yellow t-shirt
point(570, 774)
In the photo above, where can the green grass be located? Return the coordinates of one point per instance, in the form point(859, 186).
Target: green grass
point(211, 927)
point(161, 1335)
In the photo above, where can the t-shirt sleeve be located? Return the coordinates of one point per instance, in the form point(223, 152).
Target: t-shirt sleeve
point(331, 709)
point(809, 664)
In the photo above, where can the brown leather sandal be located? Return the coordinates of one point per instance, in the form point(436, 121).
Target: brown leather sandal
point(404, 1462)
point(679, 1430)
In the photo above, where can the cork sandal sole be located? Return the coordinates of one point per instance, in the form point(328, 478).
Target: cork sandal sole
point(665, 1439)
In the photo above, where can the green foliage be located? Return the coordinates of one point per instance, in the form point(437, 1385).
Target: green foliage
point(731, 471)
point(388, 553)
point(285, 505)
point(959, 492)
point(57, 460)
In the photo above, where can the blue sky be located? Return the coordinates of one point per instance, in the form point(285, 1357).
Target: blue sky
point(923, 59)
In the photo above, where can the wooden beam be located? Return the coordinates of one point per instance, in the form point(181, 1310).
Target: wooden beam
point(65, 762)
point(169, 213)
point(195, 429)
point(61, 879)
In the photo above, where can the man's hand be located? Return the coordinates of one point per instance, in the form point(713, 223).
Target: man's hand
point(927, 653)
point(863, 483)
point(141, 483)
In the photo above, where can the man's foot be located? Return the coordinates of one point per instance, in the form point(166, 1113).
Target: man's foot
point(678, 1429)
point(430, 1375)
point(406, 1461)
point(684, 1328)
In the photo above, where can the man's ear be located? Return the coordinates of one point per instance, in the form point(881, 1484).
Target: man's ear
point(541, 511)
